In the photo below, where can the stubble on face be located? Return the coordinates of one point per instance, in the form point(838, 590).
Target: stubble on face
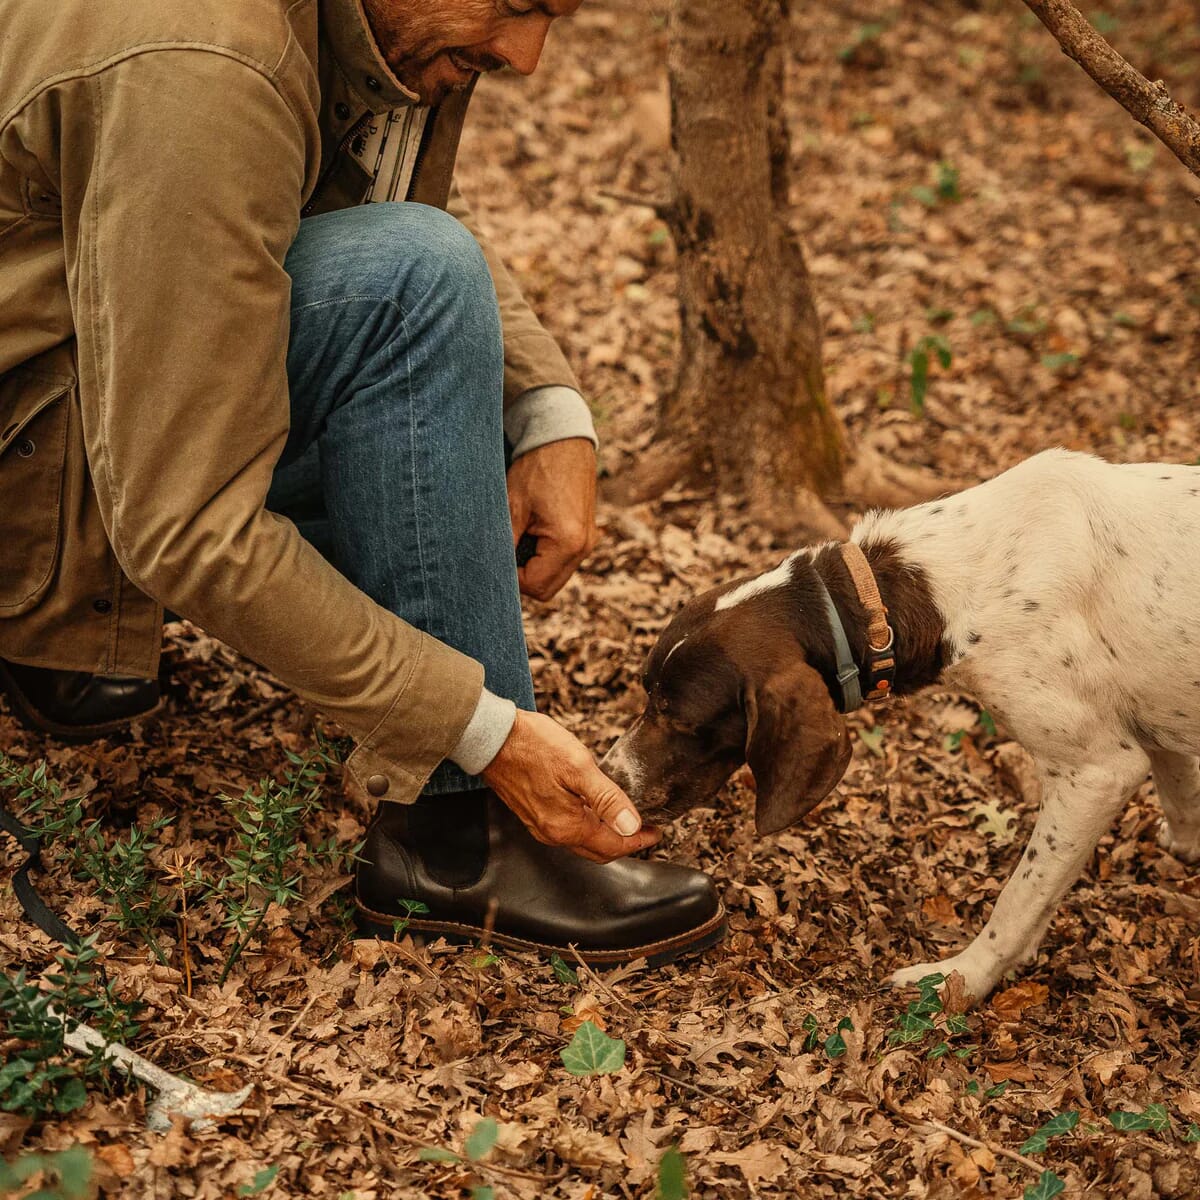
point(434, 47)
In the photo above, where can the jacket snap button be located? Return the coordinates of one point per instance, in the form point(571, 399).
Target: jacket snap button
point(377, 785)
point(102, 606)
point(341, 110)
point(25, 447)
point(373, 83)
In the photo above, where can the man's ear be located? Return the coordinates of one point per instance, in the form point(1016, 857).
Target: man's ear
point(796, 745)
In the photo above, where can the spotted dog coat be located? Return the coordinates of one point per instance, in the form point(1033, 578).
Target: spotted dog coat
point(1063, 594)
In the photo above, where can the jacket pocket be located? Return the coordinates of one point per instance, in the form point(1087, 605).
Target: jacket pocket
point(34, 412)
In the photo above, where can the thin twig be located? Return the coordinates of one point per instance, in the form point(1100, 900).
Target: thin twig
point(1148, 103)
point(916, 1122)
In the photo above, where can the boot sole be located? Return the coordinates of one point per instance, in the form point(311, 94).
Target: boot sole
point(657, 954)
point(33, 719)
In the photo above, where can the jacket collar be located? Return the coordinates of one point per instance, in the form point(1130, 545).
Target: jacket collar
point(345, 24)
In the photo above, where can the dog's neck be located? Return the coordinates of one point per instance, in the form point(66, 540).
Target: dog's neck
point(914, 617)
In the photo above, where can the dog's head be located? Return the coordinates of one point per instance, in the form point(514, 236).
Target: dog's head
point(730, 682)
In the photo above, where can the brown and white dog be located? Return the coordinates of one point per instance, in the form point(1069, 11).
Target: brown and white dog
point(1064, 595)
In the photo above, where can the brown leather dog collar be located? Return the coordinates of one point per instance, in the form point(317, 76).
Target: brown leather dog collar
point(880, 667)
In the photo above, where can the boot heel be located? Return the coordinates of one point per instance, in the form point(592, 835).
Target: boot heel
point(368, 928)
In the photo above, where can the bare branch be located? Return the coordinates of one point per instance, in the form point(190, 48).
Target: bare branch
point(1148, 103)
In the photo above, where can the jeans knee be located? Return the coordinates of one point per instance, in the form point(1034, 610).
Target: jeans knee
point(435, 255)
point(410, 253)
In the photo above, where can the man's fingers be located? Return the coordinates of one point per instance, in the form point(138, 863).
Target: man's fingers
point(609, 802)
point(555, 562)
point(601, 844)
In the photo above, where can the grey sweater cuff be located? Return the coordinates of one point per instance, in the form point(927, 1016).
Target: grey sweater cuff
point(547, 414)
point(486, 732)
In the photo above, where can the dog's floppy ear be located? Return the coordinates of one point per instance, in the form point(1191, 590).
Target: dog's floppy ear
point(796, 744)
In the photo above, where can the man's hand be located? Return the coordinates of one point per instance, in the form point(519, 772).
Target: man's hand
point(548, 778)
point(552, 496)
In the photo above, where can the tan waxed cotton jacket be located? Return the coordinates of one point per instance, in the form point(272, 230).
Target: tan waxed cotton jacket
point(155, 159)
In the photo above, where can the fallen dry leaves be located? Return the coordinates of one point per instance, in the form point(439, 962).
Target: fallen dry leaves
point(1064, 279)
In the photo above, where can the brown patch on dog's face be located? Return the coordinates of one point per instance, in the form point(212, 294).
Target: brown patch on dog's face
point(727, 686)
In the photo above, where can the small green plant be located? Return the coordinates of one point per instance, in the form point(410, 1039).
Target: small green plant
point(412, 908)
point(1026, 323)
point(478, 1145)
point(925, 1016)
point(592, 1052)
point(944, 190)
point(70, 1171)
point(1154, 1117)
point(672, 1176)
point(919, 362)
point(1048, 1186)
point(262, 1180)
point(40, 1075)
point(563, 972)
point(834, 1045)
point(271, 850)
point(1039, 1140)
point(1057, 362)
point(122, 870)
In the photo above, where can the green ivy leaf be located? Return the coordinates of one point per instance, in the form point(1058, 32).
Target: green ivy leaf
point(1037, 1142)
point(1128, 1122)
point(672, 1176)
point(809, 1025)
point(1192, 1133)
point(483, 1191)
point(939, 1051)
point(437, 1154)
point(593, 1052)
point(72, 1095)
point(1159, 1118)
point(562, 972)
point(482, 1139)
point(261, 1181)
point(998, 1089)
point(835, 1044)
point(1047, 1186)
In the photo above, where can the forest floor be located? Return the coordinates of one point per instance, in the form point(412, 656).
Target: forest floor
point(955, 176)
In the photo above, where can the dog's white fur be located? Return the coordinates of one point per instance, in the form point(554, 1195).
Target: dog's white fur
point(1070, 593)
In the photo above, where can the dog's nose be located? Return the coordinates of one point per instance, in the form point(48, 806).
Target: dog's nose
point(617, 764)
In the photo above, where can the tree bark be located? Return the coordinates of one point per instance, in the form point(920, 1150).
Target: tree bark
point(750, 398)
point(1148, 103)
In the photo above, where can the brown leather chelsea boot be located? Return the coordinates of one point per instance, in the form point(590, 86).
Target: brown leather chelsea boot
point(462, 854)
point(74, 705)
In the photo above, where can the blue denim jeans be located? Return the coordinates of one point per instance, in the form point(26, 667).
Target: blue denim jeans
point(395, 463)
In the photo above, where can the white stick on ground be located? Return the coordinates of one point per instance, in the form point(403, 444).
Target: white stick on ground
point(176, 1097)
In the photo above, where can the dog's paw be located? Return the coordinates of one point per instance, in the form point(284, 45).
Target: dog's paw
point(977, 983)
point(1185, 849)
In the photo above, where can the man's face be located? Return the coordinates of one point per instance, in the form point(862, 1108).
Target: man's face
point(438, 46)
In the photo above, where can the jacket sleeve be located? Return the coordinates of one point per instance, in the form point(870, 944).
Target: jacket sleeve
point(183, 172)
point(532, 358)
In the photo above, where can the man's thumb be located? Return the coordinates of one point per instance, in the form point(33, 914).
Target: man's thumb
point(611, 805)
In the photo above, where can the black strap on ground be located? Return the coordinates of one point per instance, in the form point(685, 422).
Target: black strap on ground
point(36, 909)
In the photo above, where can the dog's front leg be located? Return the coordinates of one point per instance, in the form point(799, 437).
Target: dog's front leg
point(1079, 804)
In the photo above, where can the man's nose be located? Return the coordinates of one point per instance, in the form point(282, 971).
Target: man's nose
point(521, 45)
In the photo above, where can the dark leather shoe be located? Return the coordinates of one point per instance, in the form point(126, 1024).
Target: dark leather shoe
point(478, 870)
point(74, 705)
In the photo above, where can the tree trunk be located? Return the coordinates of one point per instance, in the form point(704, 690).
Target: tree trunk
point(750, 398)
